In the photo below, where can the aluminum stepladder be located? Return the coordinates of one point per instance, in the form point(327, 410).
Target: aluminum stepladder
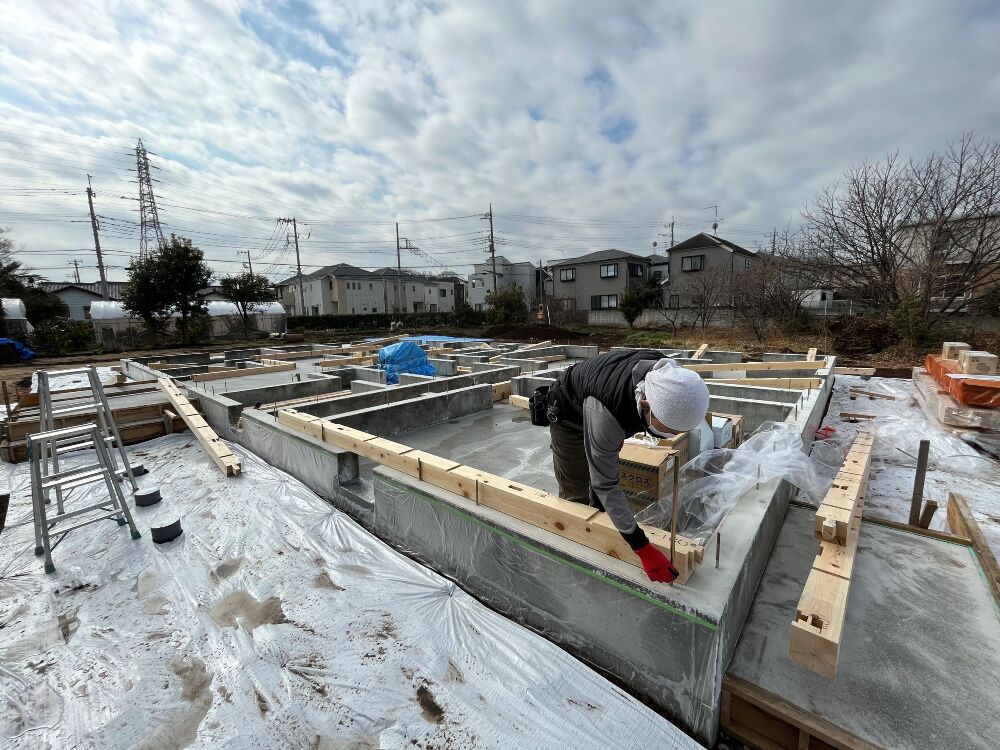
point(44, 447)
point(105, 421)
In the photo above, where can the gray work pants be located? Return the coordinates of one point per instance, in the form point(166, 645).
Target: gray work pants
point(569, 460)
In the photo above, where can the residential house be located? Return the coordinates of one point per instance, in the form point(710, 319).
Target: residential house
point(704, 270)
point(594, 282)
point(339, 289)
point(508, 273)
point(79, 296)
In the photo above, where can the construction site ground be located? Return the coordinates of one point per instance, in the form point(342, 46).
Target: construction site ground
point(273, 621)
point(919, 665)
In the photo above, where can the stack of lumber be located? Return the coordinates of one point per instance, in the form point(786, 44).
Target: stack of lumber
point(570, 520)
point(968, 390)
point(816, 632)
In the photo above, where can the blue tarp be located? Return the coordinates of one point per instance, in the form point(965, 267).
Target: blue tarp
point(22, 351)
point(405, 356)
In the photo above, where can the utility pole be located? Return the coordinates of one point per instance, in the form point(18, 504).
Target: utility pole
point(671, 231)
point(399, 269)
point(97, 242)
point(76, 270)
point(493, 255)
point(298, 262)
point(249, 262)
point(774, 241)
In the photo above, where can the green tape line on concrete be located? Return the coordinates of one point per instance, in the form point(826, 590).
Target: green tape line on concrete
point(556, 558)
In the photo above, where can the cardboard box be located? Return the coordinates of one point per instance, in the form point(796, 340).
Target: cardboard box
point(951, 349)
point(647, 470)
point(977, 363)
point(723, 429)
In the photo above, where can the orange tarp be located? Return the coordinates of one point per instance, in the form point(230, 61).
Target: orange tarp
point(969, 390)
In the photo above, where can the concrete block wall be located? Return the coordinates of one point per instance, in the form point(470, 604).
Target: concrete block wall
point(443, 367)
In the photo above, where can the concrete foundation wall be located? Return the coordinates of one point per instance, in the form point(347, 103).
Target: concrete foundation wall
point(756, 393)
point(412, 414)
point(525, 385)
point(364, 386)
point(284, 391)
point(755, 413)
point(443, 367)
point(371, 374)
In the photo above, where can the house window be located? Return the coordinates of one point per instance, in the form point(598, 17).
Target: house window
point(674, 302)
point(746, 263)
point(86, 312)
point(635, 270)
point(374, 309)
point(567, 274)
point(604, 302)
point(609, 271)
point(693, 263)
point(414, 289)
point(658, 275)
point(479, 307)
point(370, 285)
point(315, 309)
point(331, 285)
point(444, 292)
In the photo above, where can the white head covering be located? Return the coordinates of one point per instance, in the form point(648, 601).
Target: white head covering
point(677, 397)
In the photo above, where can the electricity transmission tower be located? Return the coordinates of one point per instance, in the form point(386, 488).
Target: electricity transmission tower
point(150, 234)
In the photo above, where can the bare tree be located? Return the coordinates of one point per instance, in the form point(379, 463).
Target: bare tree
point(771, 292)
point(923, 233)
point(704, 292)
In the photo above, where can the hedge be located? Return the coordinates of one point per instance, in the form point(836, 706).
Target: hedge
point(374, 321)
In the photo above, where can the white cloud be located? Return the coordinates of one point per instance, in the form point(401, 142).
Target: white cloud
point(373, 111)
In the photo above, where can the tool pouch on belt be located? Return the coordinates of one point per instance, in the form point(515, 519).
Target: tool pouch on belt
point(539, 406)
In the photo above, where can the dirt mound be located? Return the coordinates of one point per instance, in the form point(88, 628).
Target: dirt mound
point(858, 334)
point(539, 332)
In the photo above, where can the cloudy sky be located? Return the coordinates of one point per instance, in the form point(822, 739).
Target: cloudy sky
point(587, 124)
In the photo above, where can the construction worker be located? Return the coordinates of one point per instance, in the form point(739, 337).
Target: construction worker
point(593, 407)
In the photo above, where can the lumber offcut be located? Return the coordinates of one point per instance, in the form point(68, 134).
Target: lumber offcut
point(217, 450)
point(817, 630)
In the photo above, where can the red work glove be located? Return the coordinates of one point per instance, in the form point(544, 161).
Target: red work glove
point(656, 564)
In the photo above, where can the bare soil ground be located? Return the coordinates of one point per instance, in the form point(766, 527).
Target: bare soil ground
point(892, 361)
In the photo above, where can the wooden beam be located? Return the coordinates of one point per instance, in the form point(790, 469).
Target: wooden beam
point(943, 536)
point(573, 521)
point(854, 371)
point(851, 416)
point(344, 361)
point(761, 719)
point(241, 372)
point(856, 391)
point(217, 450)
point(817, 630)
point(550, 358)
point(521, 402)
point(501, 390)
point(756, 366)
point(538, 345)
point(699, 353)
point(962, 522)
point(811, 354)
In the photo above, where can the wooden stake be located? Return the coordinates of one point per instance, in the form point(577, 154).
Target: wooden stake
point(918, 483)
point(927, 514)
point(674, 504)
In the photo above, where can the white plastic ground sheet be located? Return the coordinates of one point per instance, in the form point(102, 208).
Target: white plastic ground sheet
point(274, 621)
point(59, 382)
